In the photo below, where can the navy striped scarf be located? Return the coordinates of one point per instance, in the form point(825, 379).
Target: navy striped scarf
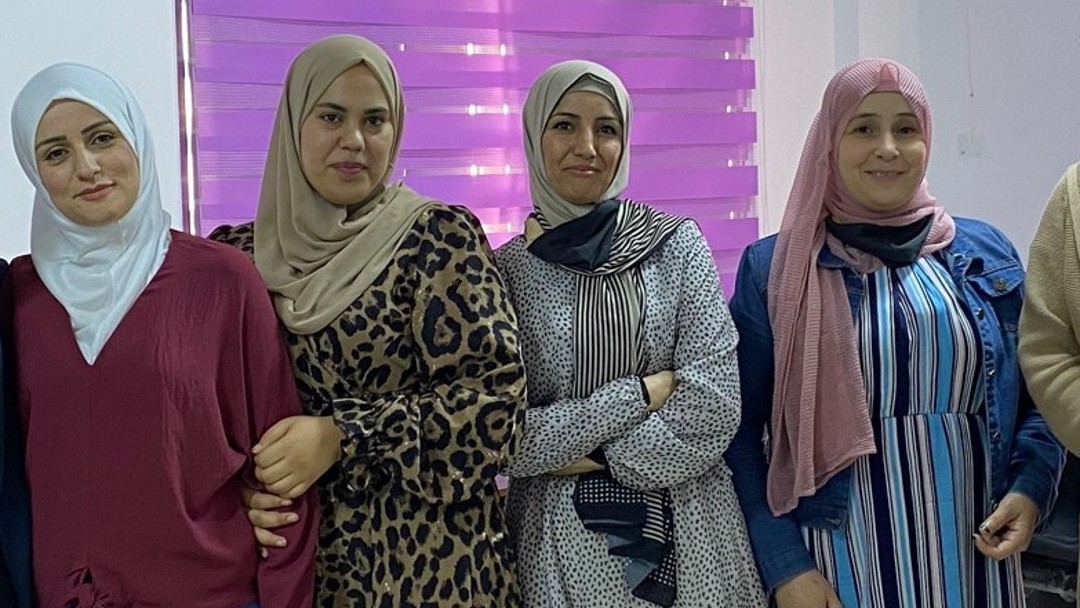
point(605, 249)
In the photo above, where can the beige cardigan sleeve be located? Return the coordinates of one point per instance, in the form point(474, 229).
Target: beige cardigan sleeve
point(1050, 323)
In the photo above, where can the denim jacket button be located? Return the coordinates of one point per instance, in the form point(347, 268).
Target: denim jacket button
point(990, 373)
point(995, 436)
point(980, 313)
point(1000, 284)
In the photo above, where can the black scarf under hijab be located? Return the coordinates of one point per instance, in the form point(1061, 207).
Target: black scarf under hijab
point(615, 236)
point(583, 244)
point(895, 246)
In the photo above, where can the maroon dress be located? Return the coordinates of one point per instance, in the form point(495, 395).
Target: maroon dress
point(135, 463)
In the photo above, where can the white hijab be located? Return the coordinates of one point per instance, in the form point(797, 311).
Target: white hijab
point(97, 272)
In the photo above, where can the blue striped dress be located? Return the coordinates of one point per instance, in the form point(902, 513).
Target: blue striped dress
point(915, 504)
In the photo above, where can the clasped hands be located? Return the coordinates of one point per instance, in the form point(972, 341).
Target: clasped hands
point(290, 458)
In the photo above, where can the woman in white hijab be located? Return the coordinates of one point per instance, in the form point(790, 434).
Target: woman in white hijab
point(620, 495)
point(148, 365)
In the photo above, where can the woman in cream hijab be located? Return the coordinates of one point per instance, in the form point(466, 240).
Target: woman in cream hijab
point(404, 347)
point(620, 496)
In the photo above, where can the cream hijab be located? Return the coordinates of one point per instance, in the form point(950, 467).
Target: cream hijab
point(317, 257)
point(544, 95)
point(96, 272)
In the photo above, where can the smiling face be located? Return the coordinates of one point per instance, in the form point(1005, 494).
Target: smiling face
point(87, 167)
point(582, 144)
point(345, 141)
point(881, 157)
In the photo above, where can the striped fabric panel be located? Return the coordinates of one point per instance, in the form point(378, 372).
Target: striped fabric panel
point(608, 327)
point(656, 501)
point(915, 504)
point(609, 330)
point(642, 230)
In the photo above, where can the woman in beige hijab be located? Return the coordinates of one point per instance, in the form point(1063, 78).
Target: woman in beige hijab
point(404, 346)
point(620, 496)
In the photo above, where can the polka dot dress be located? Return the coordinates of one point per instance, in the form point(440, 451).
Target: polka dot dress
point(688, 330)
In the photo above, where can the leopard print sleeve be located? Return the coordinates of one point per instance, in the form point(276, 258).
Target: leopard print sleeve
point(446, 439)
point(241, 237)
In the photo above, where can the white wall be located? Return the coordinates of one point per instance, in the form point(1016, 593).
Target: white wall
point(1022, 105)
point(795, 58)
point(1001, 74)
point(134, 40)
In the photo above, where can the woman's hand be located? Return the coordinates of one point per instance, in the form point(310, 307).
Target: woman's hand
point(1009, 528)
point(579, 467)
point(294, 453)
point(660, 386)
point(807, 590)
point(263, 518)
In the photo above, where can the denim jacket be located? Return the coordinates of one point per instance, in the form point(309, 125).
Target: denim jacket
point(1024, 456)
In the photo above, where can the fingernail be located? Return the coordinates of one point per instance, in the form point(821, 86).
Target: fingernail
point(264, 553)
point(292, 518)
point(983, 527)
point(285, 502)
point(281, 542)
point(257, 448)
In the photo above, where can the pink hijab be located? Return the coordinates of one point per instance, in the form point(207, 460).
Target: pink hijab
point(820, 419)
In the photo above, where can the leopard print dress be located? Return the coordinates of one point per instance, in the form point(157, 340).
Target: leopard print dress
point(424, 377)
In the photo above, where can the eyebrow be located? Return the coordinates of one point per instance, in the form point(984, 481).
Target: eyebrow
point(58, 138)
point(572, 115)
point(46, 142)
point(343, 109)
point(873, 115)
point(96, 125)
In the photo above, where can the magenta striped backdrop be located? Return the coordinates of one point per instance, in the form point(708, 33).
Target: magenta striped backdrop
point(467, 66)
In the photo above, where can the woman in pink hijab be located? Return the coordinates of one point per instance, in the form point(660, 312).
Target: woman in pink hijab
point(905, 464)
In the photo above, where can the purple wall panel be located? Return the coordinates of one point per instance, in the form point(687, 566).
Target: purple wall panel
point(467, 66)
point(602, 17)
point(253, 64)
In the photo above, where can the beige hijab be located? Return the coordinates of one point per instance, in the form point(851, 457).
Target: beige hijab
point(317, 258)
point(545, 94)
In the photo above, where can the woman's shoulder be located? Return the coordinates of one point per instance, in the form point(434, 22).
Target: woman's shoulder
point(977, 238)
point(688, 233)
point(441, 226)
point(441, 215)
point(240, 236)
point(516, 246)
point(763, 247)
point(512, 254)
point(191, 244)
point(1066, 193)
point(20, 266)
point(210, 261)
